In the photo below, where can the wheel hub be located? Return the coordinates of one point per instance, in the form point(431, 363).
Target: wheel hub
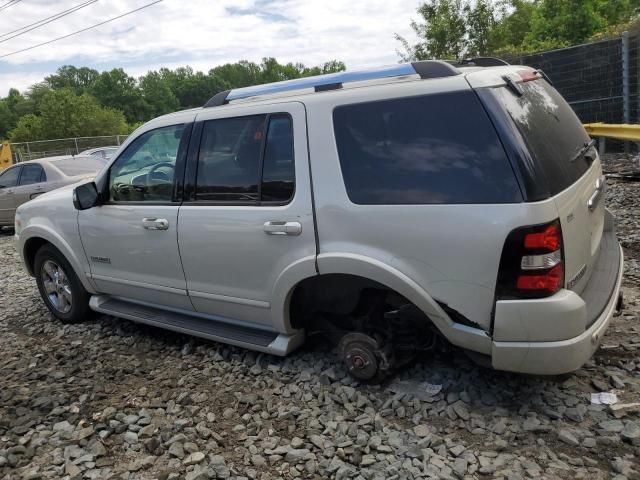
point(56, 286)
point(359, 352)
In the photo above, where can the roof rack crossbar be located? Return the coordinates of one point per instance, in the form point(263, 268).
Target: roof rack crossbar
point(331, 81)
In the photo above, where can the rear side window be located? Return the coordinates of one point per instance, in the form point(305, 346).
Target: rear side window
point(550, 128)
point(246, 160)
point(434, 149)
point(32, 174)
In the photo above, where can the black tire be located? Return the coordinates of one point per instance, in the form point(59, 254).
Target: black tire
point(66, 290)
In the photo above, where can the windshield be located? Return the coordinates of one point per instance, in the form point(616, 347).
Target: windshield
point(552, 131)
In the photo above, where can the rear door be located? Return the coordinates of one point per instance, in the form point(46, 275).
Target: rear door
point(247, 215)
point(31, 183)
point(571, 170)
point(8, 182)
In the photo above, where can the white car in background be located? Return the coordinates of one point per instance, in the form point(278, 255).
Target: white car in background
point(25, 181)
point(100, 152)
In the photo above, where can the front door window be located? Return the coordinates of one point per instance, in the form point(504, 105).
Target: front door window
point(145, 170)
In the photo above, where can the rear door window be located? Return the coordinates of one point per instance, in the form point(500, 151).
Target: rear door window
point(550, 128)
point(31, 174)
point(435, 149)
point(246, 160)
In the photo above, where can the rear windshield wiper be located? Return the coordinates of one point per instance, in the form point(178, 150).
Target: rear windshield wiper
point(585, 148)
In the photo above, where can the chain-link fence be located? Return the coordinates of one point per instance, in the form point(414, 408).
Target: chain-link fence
point(598, 79)
point(23, 151)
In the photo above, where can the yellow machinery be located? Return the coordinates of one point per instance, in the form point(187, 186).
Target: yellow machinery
point(620, 131)
point(6, 160)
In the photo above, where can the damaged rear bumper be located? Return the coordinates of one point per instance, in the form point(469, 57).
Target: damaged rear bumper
point(539, 336)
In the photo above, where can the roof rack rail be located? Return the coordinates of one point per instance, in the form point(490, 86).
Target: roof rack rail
point(483, 62)
point(332, 81)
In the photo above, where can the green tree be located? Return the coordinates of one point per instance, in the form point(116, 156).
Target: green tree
point(442, 31)
point(29, 127)
point(157, 95)
point(79, 79)
point(65, 114)
point(118, 90)
point(192, 89)
point(564, 22)
point(512, 26)
point(480, 19)
point(7, 119)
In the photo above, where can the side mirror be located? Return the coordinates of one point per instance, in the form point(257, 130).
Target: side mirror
point(85, 196)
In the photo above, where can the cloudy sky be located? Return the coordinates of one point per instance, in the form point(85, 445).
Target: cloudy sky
point(200, 33)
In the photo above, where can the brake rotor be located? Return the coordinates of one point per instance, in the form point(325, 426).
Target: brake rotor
point(361, 355)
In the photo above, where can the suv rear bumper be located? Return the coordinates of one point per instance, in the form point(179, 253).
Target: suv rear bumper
point(559, 334)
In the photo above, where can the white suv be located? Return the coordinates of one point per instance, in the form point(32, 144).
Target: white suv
point(388, 208)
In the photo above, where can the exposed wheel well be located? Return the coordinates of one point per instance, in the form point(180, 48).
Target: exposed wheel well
point(31, 247)
point(335, 293)
point(342, 306)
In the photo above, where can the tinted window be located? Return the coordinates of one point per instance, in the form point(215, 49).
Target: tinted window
point(422, 150)
point(278, 169)
point(229, 159)
point(551, 130)
point(75, 166)
point(32, 174)
point(145, 170)
point(9, 178)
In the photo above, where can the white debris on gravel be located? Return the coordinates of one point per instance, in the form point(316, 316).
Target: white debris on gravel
point(112, 399)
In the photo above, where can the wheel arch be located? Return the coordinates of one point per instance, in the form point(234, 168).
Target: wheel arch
point(32, 239)
point(387, 276)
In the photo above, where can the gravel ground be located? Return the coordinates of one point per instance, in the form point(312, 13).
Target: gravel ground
point(113, 399)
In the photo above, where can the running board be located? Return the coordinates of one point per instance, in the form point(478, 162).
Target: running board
point(212, 328)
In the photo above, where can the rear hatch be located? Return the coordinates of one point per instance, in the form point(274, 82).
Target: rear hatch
point(564, 158)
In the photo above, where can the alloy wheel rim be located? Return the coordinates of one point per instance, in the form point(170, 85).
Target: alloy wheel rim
point(56, 286)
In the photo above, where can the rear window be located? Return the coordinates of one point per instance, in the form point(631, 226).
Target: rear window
point(79, 165)
point(422, 150)
point(552, 131)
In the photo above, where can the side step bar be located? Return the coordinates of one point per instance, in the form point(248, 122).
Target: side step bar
point(212, 328)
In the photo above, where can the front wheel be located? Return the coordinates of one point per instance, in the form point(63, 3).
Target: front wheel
point(59, 287)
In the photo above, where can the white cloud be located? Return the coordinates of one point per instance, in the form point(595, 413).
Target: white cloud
point(203, 34)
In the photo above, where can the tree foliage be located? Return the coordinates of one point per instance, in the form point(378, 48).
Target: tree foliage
point(65, 114)
point(454, 29)
point(81, 101)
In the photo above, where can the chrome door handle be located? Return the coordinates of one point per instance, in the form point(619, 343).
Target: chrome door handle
point(282, 228)
point(155, 223)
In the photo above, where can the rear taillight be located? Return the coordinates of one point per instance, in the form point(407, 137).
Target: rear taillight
point(532, 263)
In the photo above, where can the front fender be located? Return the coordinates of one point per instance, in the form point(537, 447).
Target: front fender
point(74, 254)
point(367, 267)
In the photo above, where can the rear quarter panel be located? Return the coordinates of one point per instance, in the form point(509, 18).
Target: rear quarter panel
point(452, 252)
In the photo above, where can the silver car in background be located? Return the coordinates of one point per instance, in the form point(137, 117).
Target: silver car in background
point(25, 181)
point(100, 152)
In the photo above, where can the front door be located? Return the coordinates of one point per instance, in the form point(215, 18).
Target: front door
point(131, 239)
point(247, 214)
point(8, 183)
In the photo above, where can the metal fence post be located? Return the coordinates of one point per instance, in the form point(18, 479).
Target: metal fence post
point(626, 97)
point(76, 142)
